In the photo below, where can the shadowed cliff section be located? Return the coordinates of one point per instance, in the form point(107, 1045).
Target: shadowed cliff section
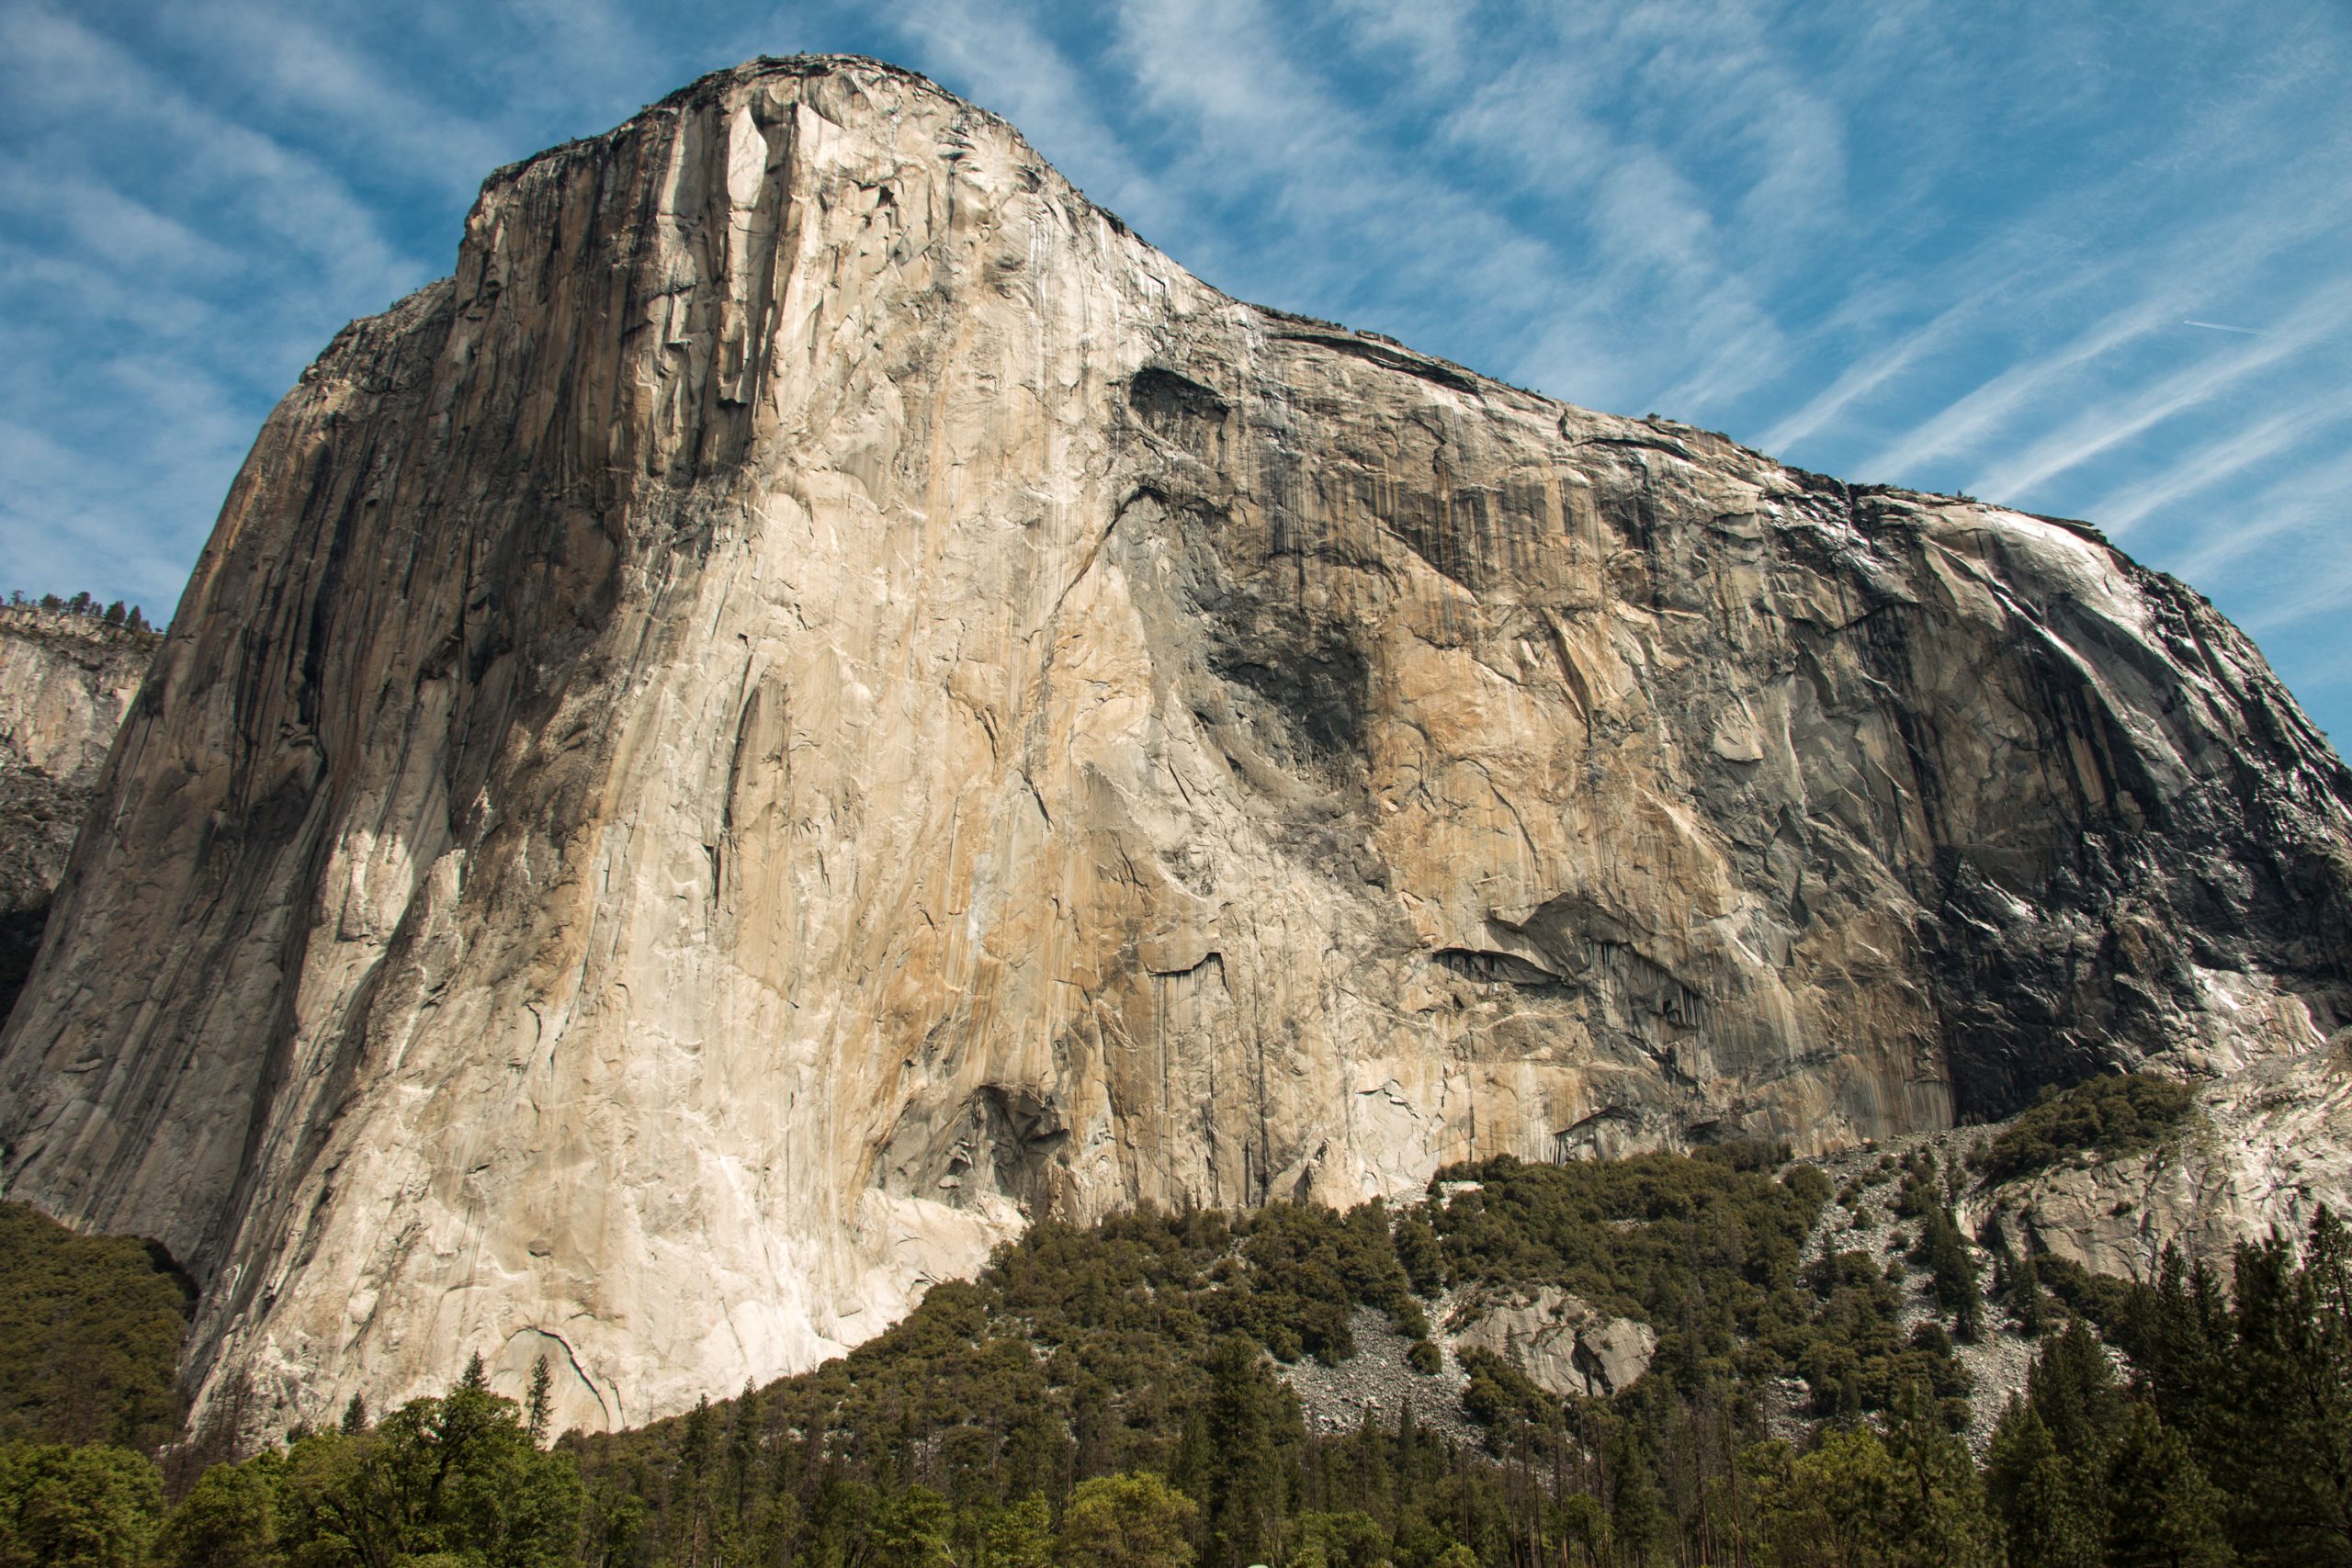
point(820, 700)
point(68, 674)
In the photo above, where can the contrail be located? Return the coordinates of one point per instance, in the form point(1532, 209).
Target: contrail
point(2218, 327)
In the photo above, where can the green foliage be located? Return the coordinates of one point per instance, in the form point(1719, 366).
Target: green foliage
point(1111, 1396)
point(1953, 1270)
point(2049, 1508)
point(1351, 1539)
point(229, 1520)
point(90, 1330)
point(1857, 1500)
point(1705, 1249)
point(538, 1405)
point(1852, 1351)
point(2232, 1440)
point(1127, 1521)
point(1238, 1470)
point(2073, 1390)
point(1952, 1267)
point(1641, 1236)
point(1500, 1397)
point(456, 1478)
point(2162, 1511)
point(2114, 1115)
point(1921, 1192)
point(93, 1506)
point(910, 1530)
point(2276, 1434)
point(2016, 1283)
point(1019, 1535)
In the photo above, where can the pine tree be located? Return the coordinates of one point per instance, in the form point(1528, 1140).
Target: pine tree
point(2072, 1388)
point(2281, 1449)
point(2179, 1337)
point(1939, 1512)
point(1245, 1502)
point(1945, 1251)
point(2035, 1495)
point(473, 1380)
point(2020, 1292)
point(538, 1407)
point(695, 1447)
point(910, 1531)
point(1638, 1519)
point(1095, 1431)
point(743, 1448)
point(355, 1414)
point(2163, 1513)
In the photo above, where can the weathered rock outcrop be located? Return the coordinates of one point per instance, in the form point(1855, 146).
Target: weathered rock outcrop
point(2262, 1149)
point(66, 680)
point(821, 697)
point(1563, 1343)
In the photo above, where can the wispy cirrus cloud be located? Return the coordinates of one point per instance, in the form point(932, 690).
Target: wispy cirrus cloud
point(2319, 320)
point(1913, 242)
point(2222, 455)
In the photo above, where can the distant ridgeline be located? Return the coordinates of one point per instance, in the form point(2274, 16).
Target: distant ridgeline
point(1129, 1392)
point(68, 668)
point(115, 613)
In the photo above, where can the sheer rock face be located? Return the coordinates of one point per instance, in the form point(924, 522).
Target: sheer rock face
point(65, 681)
point(2262, 1149)
point(820, 697)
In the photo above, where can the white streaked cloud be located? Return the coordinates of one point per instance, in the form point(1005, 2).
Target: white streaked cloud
point(2319, 320)
point(2208, 462)
point(1866, 375)
point(2315, 499)
point(1913, 242)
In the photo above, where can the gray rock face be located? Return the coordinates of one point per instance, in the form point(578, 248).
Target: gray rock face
point(65, 681)
point(1564, 1344)
point(820, 698)
point(2262, 1148)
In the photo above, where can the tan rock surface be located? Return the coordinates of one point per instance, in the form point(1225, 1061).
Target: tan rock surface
point(66, 680)
point(820, 697)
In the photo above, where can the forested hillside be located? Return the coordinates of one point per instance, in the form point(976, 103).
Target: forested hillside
point(1123, 1393)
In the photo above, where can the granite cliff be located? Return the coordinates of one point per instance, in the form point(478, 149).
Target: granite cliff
point(820, 697)
point(66, 680)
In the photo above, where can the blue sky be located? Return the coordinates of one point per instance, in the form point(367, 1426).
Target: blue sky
point(2092, 259)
